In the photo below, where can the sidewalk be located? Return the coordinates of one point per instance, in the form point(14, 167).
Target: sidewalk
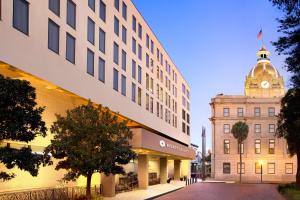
point(152, 191)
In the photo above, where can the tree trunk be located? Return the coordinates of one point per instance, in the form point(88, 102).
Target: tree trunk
point(88, 185)
point(298, 171)
point(240, 146)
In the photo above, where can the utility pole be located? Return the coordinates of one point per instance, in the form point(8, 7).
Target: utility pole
point(203, 152)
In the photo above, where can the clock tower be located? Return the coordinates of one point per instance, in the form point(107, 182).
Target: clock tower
point(264, 80)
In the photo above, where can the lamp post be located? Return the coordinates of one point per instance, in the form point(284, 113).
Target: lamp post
point(261, 170)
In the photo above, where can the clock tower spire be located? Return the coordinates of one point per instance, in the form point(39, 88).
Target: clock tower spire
point(264, 80)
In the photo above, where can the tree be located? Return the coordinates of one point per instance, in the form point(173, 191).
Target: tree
point(240, 132)
point(90, 139)
point(20, 120)
point(289, 125)
point(289, 43)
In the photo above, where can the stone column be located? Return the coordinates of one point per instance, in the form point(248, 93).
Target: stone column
point(177, 169)
point(108, 185)
point(143, 165)
point(163, 170)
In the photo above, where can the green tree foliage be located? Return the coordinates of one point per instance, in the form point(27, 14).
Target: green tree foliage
point(289, 125)
point(20, 120)
point(289, 43)
point(240, 132)
point(90, 139)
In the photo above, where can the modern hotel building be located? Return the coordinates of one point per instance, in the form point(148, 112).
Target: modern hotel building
point(102, 50)
point(263, 154)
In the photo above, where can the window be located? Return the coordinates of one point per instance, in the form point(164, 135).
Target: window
point(124, 34)
point(239, 169)
point(242, 148)
point(147, 60)
point(226, 168)
point(226, 128)
point(139, 96)
point(101, 40)
point(151, 104)
point(271, 146)
point(0, 10)
point(257, 128)
point(91, 31)
point(116, 53)
point(124, 10)
point(226, 112)
point(140, 74)
point(183, 114)
point(133, 23)
point(90, 62)
point(183, 127)
point(133, 72)
point(140, 31)
point(123, 60)
point(116, 80)
point(271, 168)
point(71, 14)
point(123, 81)
point(133, 45)
point(140, 52)
point(117, 4)
point(289, 168)
point(133, 92)
point(257, 112)
point(54, 6)
point(187, 130)
point(271, 128)
point(258, 167)
point(116, 26)
point(188, 118)
point(70, 48)
point(240, 112)
point(257, 146)
point(147, 102)
point(152, 47)
point(147, 81)
point(101, 70)
point(157, 109)
point(226, 146)
point(92, 4)
point(53, 36)
point(271, 112)
point(147, 41)
point(102, 11)
point(21, 16)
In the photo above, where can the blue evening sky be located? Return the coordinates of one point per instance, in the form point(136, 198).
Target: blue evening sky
point(214, 45)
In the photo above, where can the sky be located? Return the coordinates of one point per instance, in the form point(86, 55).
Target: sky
point(214, 45)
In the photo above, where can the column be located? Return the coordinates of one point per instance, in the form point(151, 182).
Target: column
point(177, 169)
point(163, 170)
point(143, 165)
point(108, 185)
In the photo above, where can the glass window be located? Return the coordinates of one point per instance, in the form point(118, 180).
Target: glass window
point(133, 23)
point(71, 14)
point(101, 70)
point(92, 4)
point(240, 112)
point(258, 167)
point(133, 45)
point(257, 128)
point(140, 74)
point(257, 112)
point(152, 47)
point(226, 112)
point(226, 146)
point(289, 168)
point(133, 92)
point(124, 10)
point(139, 96)
point(91, 31)
point(133, 72)
point(257, 146)
point(140, 31)
point(123, 81)
point(116, 80)
point(239, 169)
point(151, 104)
point(226, 128)
point(271, 168)
point(188, 118)
point(242, 148)
point(117, 4)
point(123, 60)
point(101, 40)
point(226, 168)
point(53, 36)
point(271, 128)
point(183, 127)
point(183, 114)
point(147, 60)
point(147, 81)
point(21, 16)
point(124, 34)
point(70, 48)
point(90, 62)
point(116, 26)
point(147, 41)
point(271, 112)
point(0, 9)
point(116, 53)
point(102, 11)
point(271, 146)
point(140, 52)
point(147, 102)
point(187, 130)
point(54, 6)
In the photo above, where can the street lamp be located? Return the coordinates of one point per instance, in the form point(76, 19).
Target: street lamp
point(261, 170)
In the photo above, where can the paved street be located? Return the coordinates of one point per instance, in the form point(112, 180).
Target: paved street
point(225, 191)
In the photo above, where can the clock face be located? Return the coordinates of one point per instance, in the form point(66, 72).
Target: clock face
point(265, 84)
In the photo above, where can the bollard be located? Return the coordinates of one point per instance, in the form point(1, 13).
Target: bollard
point(186, 182)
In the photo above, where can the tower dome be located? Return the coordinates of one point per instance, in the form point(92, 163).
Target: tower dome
point(264, 80)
